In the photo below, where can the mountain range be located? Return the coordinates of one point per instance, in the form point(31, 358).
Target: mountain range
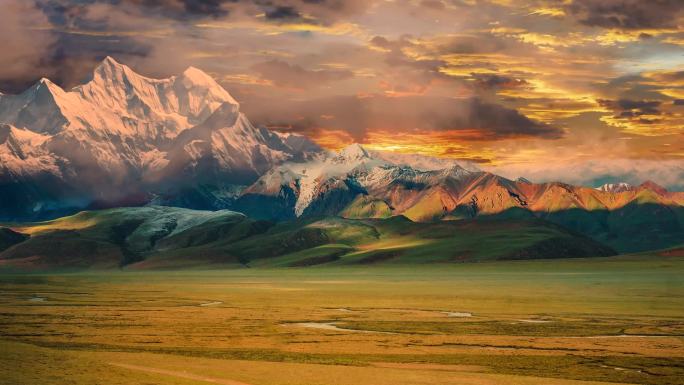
point(122, 139)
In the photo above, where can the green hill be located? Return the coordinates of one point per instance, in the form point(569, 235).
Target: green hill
point(174, 238)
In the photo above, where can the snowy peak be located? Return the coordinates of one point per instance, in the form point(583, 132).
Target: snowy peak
point(110, 62)
point(118, 88)
point(40, 108)
point(195, 78)
point(199, 82)
point(48, 86)
point(177, 102)
point(119, 79)
point(197, 94)
point(455, 170)
point(110, 69)
point(21, 151)
point(352, 153)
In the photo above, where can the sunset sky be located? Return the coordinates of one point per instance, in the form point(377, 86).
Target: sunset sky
point(577, 90)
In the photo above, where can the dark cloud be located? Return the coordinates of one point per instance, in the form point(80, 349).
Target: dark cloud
point(425, 66)
point(397, 57)
point(493, 120)
point(494, 81)
point(627, 108)
point(282, 13)
point(65, 12)
point(472, 44)
point(23, 48)
point(460, 44)
point(306, 11)
point(283, 74)
point(676, 76)
point(635, 86)
point(330, 10)
point(319, 11)
point(638, 111)
point(359, 115)
point(212, 7)
point(628, 14)
point(678, 102)
point(74, 35)
point(381, 42)
point(69, 59)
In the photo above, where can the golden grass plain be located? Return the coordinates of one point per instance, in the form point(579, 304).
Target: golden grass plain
point(589, 321)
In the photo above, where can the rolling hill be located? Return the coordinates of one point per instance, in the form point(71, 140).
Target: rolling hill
point(171, 238)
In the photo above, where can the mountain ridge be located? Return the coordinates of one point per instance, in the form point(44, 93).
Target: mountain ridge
point(383, 179)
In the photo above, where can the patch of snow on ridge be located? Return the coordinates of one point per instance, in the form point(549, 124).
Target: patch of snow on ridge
point(615, 187)
point(352, 153)
point(310, 175)
point(361, 166)
point(307, 177)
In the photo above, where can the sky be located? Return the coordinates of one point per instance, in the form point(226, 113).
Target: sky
point(583, 91)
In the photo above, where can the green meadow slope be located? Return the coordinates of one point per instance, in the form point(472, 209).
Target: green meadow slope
point(174, 238)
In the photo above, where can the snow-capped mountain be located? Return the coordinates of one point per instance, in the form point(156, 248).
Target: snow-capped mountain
point(301, 182)
point(330, 183)
point(123, 137)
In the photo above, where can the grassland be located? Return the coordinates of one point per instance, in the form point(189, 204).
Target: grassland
point(580, 321)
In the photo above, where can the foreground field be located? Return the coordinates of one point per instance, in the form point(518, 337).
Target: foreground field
point(606, 320)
